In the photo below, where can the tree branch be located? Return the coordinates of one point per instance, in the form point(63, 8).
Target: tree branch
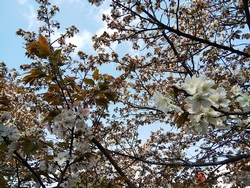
point(18, 157)
point(245, 2)
point(111, 160)
point(201, 40)
point(186, 164)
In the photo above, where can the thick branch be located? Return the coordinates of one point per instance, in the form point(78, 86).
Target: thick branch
point(111, 160)
point(26, 164)
point(186, 164)
point(245, 2)
point(177, 54)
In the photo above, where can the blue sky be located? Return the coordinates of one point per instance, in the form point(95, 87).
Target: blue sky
point(22, 14)
point(86, 17)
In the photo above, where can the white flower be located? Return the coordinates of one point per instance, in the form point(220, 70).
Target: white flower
point(81, 125)
point(42, 165)
point(236, 90)
point(165, 104)
point(62, 157)
point(190, 85)
point(219, 99)
point(239, 77)
point(161, 102)
point(68, 122)
point(197, 101)
point(81, 145)
point(5, 116)
point(210, 116)
point(244, 100)
point(197, 85)
point(11, 132)
point(244, 177)
point(83, 112)
point(205, 85)
point(13, 146)
point(220, 123)
point(65, 119)
point(69, 114)
point(200, 127)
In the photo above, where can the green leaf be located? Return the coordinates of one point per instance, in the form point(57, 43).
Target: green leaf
point(104, 86)
point(89, 81)
point(57, 53)
point(29, 146)
point(3, 146)
point(102, 102)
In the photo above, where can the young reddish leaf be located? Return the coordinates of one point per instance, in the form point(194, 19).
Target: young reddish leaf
point(120, 178)
point(109, 96)
point(77, 96)
point(44, 46)
point(41, 48)
point(180, 120)
point(48, 157)
point(33, 75)
point(56, 102)
point(55, 87)
point(4, 101)
point(84, 93)
point(3, 146)
point(51, 115)
point(50, 96)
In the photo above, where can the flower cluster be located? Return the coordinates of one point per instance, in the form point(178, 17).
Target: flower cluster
point(7, 129)
point(69, 119)
point(205, 101)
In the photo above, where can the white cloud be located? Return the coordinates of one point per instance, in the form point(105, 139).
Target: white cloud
point(22, 1)
point(104, 10)
point(58, 2)
point(31, 16)
point(82, 40)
